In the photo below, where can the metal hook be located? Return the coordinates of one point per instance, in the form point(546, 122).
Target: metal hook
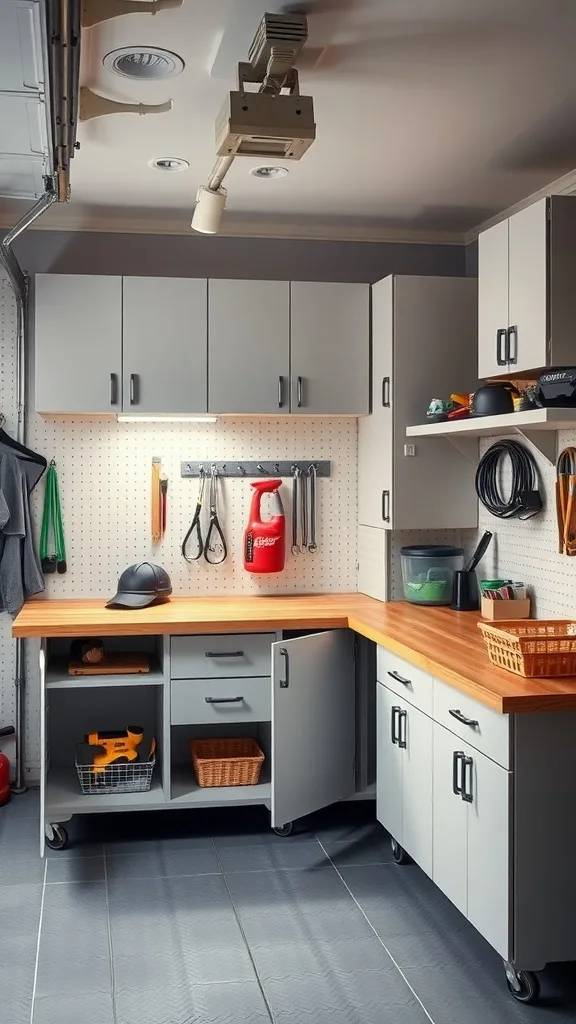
point(260, 468)
point(241, 470)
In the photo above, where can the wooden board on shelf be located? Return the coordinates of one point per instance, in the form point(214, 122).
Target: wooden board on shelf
point(119, 664)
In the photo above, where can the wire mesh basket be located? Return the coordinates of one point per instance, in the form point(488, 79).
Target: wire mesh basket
point(536, 647)
point(134, 777)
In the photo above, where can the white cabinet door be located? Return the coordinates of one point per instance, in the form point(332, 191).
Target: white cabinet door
point(249, 346)
point(313, 723)
point(329, 348)
point(450, 838)
point(44, 749)
point(389, 760)
point(493, 315)
point(375, 437)
point(528, 287)
point(417, 763)
point(78, 332)
point(164, 345)
point(489, 818)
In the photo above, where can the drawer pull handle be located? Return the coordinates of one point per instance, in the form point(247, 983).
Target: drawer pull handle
point(224, 654)
point(394, 736)
point(467, 791)
point(457, 757)
point(400, 679)
point(402, 729)
point(223, 700)
point(462, 718)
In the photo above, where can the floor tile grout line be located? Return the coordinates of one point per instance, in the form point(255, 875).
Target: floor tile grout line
point(244, 939)
point(110, 947)
point(34, 986)
point(380, 940)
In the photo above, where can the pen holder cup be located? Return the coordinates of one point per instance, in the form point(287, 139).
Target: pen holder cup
point(465, 591)
point(498, 611)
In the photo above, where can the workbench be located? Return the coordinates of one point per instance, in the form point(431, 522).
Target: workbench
point(474, 768)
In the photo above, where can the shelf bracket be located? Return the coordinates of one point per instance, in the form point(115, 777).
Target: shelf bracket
point(546, 441)
point(467, 446)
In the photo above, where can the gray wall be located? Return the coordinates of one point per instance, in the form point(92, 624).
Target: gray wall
point(65, 252)
point(471, 260)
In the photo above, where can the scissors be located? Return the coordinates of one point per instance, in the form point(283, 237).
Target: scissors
point(196, 526)
point(215, 540)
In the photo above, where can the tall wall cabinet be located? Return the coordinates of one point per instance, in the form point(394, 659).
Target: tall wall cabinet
point(526, 295)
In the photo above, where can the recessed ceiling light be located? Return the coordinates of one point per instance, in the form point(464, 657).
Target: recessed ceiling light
point(269, 172)
point(144, 63)
point(169, 163)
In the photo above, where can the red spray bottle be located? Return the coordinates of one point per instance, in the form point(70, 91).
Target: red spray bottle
point(265, 541)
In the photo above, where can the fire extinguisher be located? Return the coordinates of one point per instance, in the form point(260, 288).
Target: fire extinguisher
point(264, 541)
point(5, 769)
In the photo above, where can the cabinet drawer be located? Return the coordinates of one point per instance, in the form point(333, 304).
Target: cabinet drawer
point(221, 655)
point(405, 679)
point(216, 701)
point(488, 731)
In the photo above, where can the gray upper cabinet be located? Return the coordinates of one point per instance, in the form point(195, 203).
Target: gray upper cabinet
point(164, 343)
point(78, 330)
point(330, 348)
point(249, 346)
point(526, 294)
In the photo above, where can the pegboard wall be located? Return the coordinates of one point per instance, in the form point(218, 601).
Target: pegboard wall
point(104, 471)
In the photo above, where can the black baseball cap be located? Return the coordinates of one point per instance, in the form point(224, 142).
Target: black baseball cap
point(141, 585)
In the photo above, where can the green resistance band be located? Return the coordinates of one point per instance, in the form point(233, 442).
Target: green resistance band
point(52, 524)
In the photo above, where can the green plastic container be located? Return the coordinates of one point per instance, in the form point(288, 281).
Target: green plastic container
point(428, 571)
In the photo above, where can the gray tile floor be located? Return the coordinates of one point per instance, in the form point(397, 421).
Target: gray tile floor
point(212, 919)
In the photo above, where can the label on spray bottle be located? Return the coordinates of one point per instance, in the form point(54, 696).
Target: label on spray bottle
point(249, 551)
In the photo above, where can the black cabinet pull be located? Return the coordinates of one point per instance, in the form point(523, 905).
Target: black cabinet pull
point(400, 679)
point(284, 683)
point(403, 716)
point(224, 654)
point(385, 506)
point(113, 389)
point(467, 762)
point(512, 355)
point(394, 735)
point(223, 700)
point(457, 714)
point(457, 757)
point(280, 392)
point(385, 392)
point(299, 392)
point(502, 346)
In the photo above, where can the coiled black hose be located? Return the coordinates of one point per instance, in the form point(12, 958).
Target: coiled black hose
point(525, 500)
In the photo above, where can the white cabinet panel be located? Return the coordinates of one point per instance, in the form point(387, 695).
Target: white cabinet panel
point(417, 787)
point(21, 67)
point(493, 315)
point(373, 562)
point(528, 287)
point(164, 345)
point(330, 348)
point(78, 343)
point(249, 346)
point(375, 432)
point(450, 829)
point(473, 722)
point(488, 851)
point(388, 765)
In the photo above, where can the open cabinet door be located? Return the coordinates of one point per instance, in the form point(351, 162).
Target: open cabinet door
point(313, 724)
point(43, 746)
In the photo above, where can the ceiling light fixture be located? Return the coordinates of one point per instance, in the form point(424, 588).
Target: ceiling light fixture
point(144, 63)
point(166, 419)
point(269, 173)
point(169, 163)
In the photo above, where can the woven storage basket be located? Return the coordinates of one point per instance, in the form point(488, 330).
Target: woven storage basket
point(230, 762)
point(532, 648)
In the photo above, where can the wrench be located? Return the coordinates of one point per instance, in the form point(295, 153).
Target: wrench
point(312, 473)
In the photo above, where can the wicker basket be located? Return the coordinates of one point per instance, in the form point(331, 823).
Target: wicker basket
point(232, 762)
point(533, 648)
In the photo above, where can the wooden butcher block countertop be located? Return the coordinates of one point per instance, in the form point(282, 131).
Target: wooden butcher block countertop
point(447, 644)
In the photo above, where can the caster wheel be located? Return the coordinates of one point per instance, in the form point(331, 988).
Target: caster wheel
point(59, 838)
point(284, 830)
point(522, 985)
point(399, 853)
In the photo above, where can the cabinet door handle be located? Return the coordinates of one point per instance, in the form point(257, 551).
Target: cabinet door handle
point(113, 389)
point(457, 714)
point(385, 506)
point(223, 700)
point(284, 683)
point(133, 389)
point(512, 351)
point(224, 654)
point(467, 796)
point(403, 716)
point(457, 758)
point(393, 733)
point(501, 346)
point(400, 679)
point(280, 391)
point(299, 392)
point(386, 392)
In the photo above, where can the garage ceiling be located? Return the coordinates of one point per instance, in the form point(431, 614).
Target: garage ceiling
point(432, 116)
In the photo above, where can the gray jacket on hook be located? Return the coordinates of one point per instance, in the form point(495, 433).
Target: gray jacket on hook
point(20, 572)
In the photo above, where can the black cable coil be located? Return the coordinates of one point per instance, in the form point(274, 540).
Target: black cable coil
point(525, 500)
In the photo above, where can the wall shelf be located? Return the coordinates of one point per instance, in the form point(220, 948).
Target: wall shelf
point(539, 426)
